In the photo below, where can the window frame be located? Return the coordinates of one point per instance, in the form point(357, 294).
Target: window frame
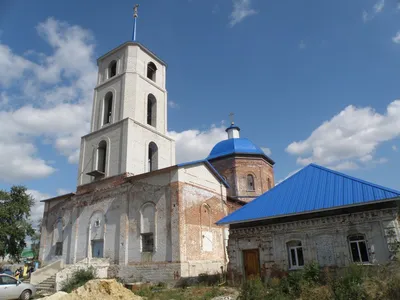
point(296, 249)
point(153, 68)
point(112, 64)
point(101, 163)
point(108, 104)
point(250, 182)
point(59, 246)
point(358, 239)
point(145, 248)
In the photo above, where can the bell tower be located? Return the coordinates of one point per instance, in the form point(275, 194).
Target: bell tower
point(128, 131)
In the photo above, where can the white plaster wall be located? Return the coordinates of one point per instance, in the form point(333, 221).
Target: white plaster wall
point(116, 137)
point(139, 138)
point(200, 175)
point(136, 91)
point(105, 84)
point(154, 190)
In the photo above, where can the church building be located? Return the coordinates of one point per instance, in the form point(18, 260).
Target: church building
point(134, 207)
point(316, 215)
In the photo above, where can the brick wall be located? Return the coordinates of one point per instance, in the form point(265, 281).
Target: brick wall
point(236, 169)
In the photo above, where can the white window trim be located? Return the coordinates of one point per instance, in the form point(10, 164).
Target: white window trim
point(357, 242)
point(292, 267)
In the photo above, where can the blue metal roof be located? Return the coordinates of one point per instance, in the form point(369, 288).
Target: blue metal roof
point(235, 146)
point(314, 188)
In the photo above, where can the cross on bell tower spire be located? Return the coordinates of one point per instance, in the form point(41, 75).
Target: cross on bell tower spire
point(231, 116)
point(135, 15)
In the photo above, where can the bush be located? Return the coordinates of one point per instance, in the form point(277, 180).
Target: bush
point(350, 285)
point(209, 279)
point(79, 278)
point(315, 292)
point(253, 289)
point(311, 273)
point(393, 288)
point(291, 284)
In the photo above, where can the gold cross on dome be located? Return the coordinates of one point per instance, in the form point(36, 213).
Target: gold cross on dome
point(231, 115)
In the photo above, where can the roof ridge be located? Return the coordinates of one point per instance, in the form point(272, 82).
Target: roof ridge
point(352, 178)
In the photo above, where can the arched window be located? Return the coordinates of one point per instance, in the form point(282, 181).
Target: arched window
point(151, 71)
point(250, 182)
point(295, 252)
point(147, 226)
point(112, 69)
point(102, 157)
point(153, 157)
point(269, 184)
point(108, 103)
point(58, 237)
point(358, 248)
point(151, 110)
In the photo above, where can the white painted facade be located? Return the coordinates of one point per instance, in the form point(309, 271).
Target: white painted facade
point(124, 127)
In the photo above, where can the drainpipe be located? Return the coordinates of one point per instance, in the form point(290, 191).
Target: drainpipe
point(223, 229)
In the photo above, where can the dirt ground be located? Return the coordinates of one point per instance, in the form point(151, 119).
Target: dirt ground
point(104, 289)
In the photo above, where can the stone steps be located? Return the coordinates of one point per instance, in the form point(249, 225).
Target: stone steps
point(49, 285)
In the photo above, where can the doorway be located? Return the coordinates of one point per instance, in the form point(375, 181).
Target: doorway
point(251, 261)
point(97, 248)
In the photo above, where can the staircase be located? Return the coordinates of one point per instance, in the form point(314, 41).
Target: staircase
point(47, 286)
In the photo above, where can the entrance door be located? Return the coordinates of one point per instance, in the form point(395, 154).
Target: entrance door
point(251, 263)
point(97, 248)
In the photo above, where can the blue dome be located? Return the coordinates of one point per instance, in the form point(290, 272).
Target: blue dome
point(235, 146)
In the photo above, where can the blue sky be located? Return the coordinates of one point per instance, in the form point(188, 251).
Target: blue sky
point(311, 81)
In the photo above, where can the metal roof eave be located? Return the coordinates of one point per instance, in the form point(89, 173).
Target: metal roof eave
point(224, 155)
point(309, 212)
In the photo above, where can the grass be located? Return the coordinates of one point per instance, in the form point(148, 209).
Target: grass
point(193, 293)
point(355, 282)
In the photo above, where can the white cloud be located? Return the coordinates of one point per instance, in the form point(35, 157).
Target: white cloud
point(62, 192)
point(396, 38)
point(394, 148)
point(51, 96)
point(37, 208)
point(349, 138)
point(241, 10)
point(215, 9)
point(376, 9)
point(195, 144)
point(267, 151)
point(302, 45)
point(173, 104)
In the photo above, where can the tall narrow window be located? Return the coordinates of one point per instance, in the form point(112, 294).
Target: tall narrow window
point(250, 182)
point(151, 110)
point(269, 184)
point(151, 71)
point(153, 157)
point(358, 248)
point(147, 227)
point(58, 237)
point(108, 103)
point(295, 252)
point(112, 69)
point(102, 157)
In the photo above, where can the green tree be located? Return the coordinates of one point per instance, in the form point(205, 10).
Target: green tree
point(15, 207)
point(36, 240)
